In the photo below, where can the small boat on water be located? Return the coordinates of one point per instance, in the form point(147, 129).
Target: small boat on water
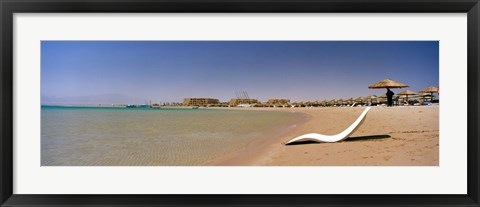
point(137, 106)
point(155, 106)
point(195, 107)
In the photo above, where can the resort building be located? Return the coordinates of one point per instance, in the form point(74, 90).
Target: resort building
point(200, 101)
point(238, 101)
point(278, 102)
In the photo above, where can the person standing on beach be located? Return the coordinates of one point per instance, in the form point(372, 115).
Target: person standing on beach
point(389, 97)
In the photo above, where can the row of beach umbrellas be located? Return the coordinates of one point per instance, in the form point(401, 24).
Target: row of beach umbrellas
point(360, 100)
point(389, 83)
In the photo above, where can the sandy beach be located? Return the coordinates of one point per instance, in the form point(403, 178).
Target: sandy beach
point(389, 136)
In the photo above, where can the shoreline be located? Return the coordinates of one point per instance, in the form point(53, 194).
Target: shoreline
point(253, 154)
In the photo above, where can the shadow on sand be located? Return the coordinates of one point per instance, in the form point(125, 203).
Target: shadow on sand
point(350, 139)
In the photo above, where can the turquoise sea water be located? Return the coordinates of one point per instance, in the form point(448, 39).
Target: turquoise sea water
point(102, 136)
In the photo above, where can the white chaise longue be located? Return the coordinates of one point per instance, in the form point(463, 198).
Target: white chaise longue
point(332, 138)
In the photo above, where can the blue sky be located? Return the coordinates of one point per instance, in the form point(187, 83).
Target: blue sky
point(91, 72)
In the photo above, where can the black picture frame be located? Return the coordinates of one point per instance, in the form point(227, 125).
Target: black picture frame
point(10, 7)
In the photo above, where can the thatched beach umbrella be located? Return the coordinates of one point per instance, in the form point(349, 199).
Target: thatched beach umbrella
point(360, 100)
point(340, 101)
point(430, 90)
point(367, 99)
point(424, 96)
point(333, 102)
point(383, 98)
point(350, 101)
point(387, 83)
point(406, 93)
point(372, 99)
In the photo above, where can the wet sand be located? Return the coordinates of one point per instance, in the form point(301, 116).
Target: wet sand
point(396, 136)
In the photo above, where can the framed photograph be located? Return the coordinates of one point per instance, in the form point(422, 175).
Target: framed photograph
point(239, 103)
